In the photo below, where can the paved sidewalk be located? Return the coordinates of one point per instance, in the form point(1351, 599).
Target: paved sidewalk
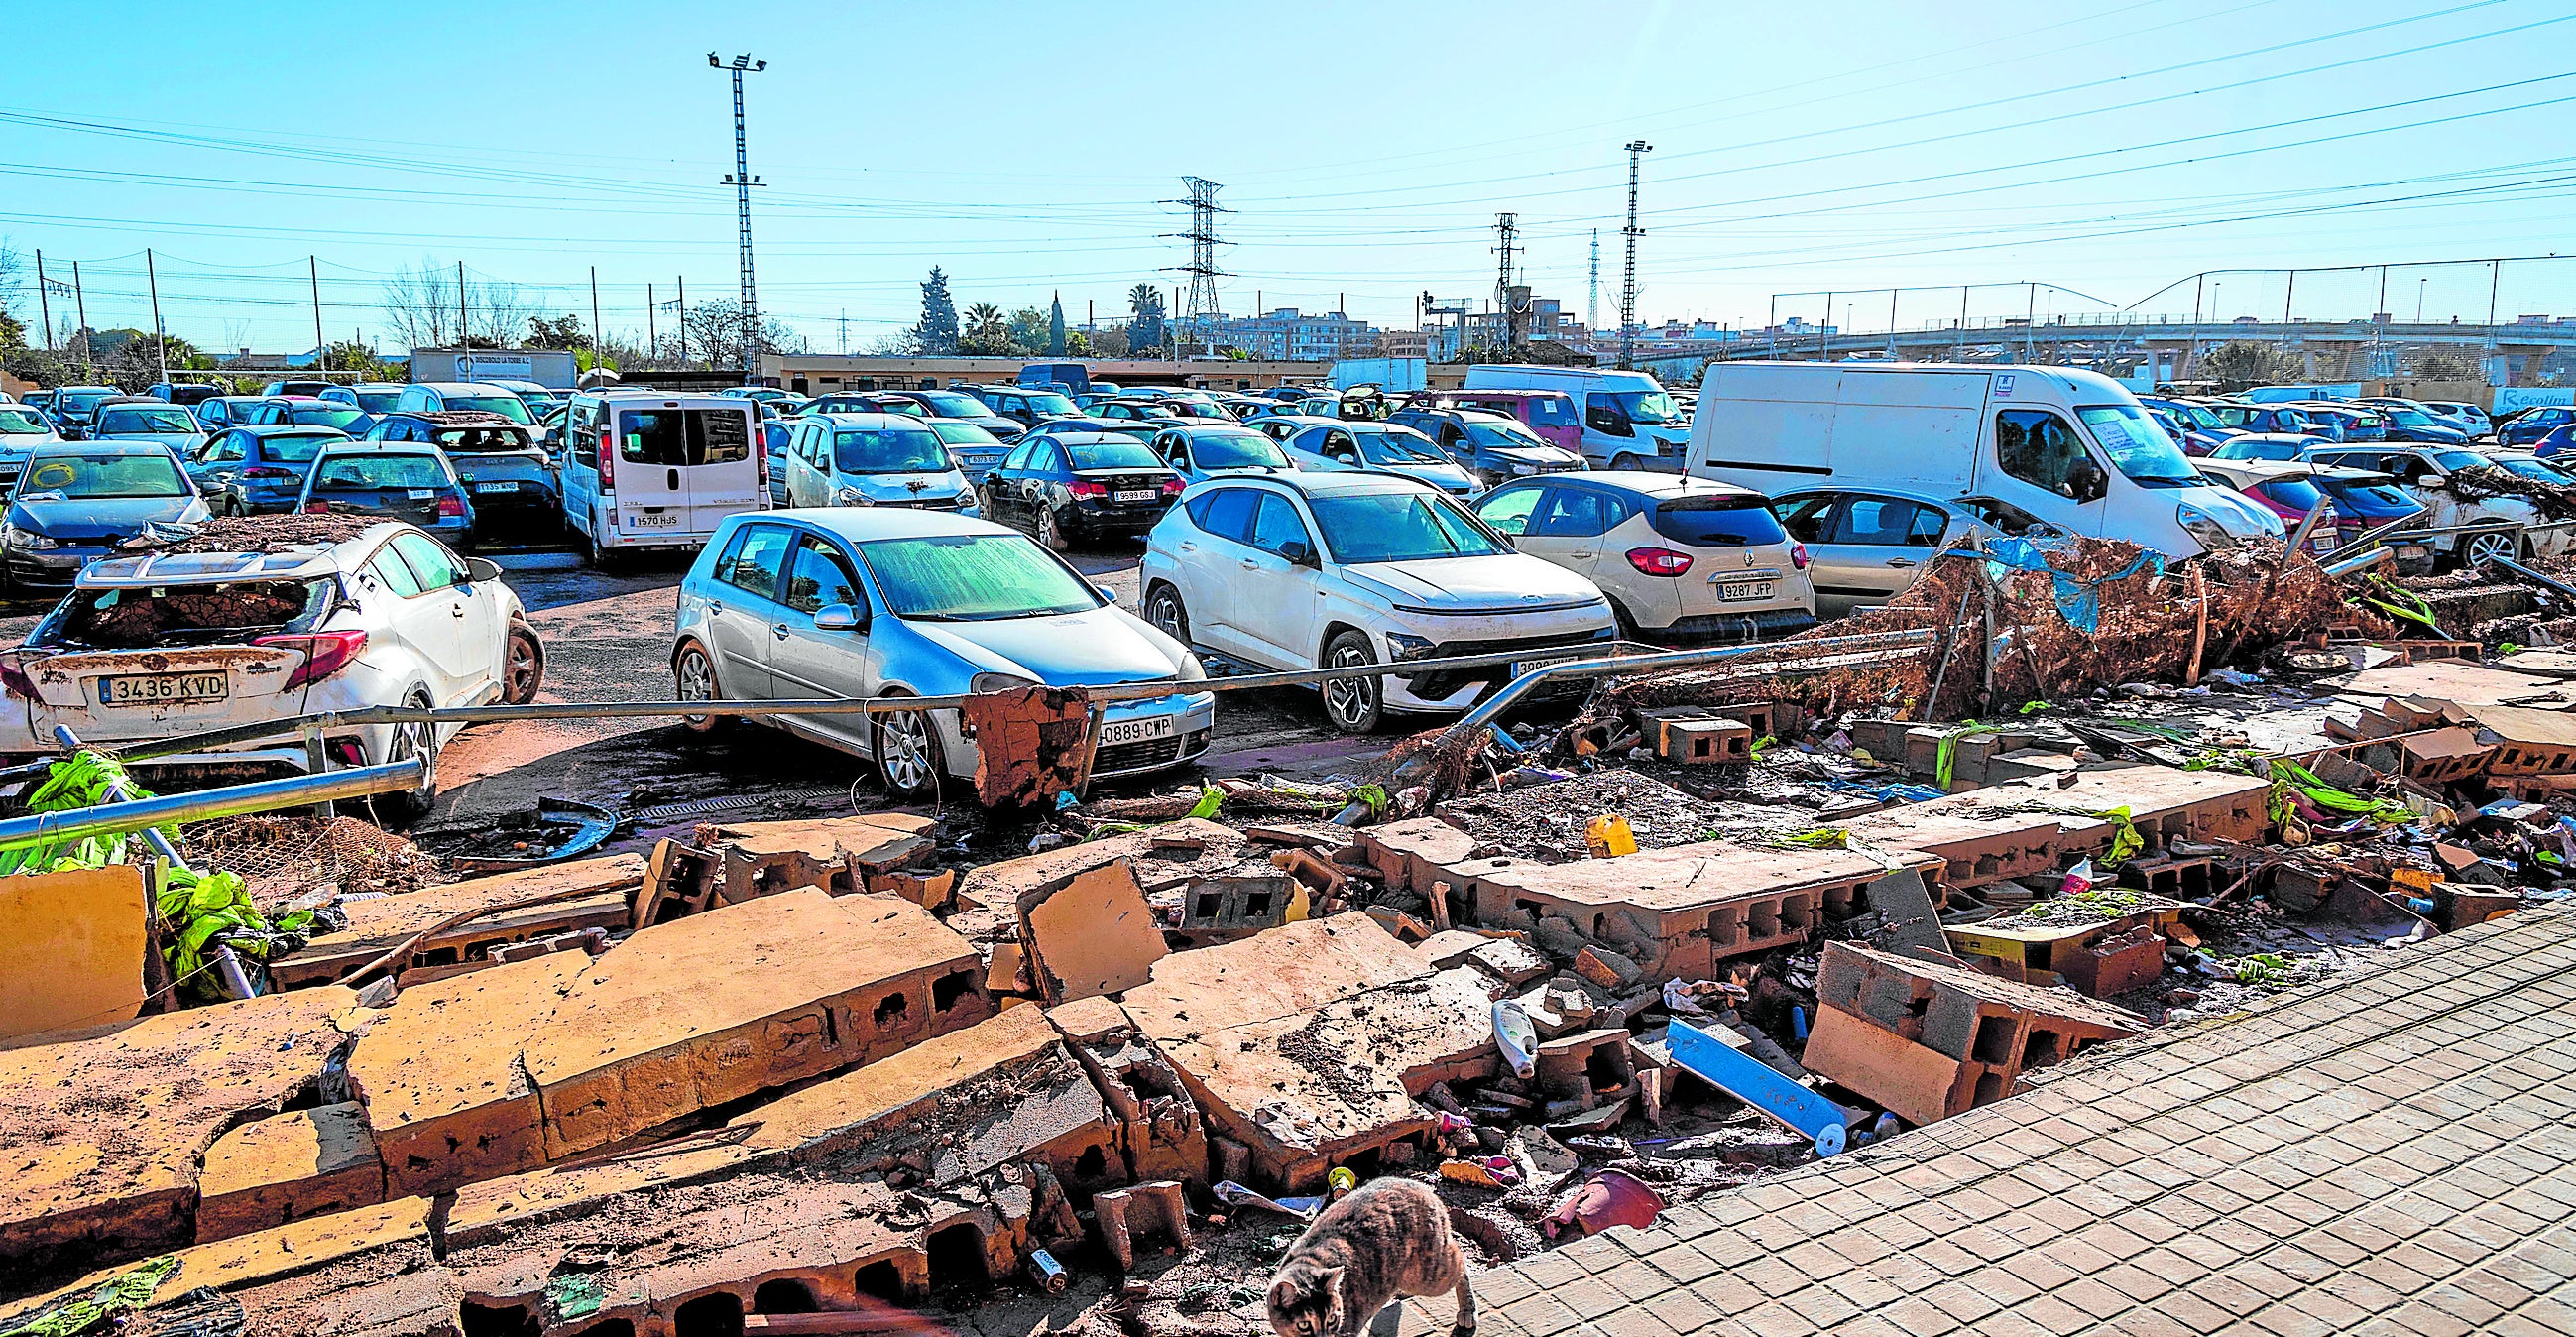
point(2392, 1154)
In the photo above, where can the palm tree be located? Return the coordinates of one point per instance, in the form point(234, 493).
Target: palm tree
point(984, 320)
point(1145, 299)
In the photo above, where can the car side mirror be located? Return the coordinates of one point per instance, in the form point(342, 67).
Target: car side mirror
point(1105, 592)
point(1299, 553)
point(480, 569)
point(837, 617)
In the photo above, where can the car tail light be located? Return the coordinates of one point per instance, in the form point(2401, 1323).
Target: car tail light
point(763, 457)
point(451, 508)
point(14, 680)
point(317, 507)
point(607, 460)
point(267, 471)
point(1659, 561)
point(1798, 556)
point(325, 653)
point(1081, 487)
point(1172, 487)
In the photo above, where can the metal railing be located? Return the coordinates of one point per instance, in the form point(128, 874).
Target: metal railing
point(205, 805)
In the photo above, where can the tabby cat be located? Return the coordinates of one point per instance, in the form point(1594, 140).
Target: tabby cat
point(1389, 1238)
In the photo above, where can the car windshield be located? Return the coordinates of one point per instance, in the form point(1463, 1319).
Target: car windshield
point(135, 420)
point(16, 421)
point(336, 415)
point(104, 477)
point(1501, 435)
point(508, 406)
point(2246, 448)
point(1647, 406)
point(2194, 416)
point(2137, 448)
point(2410, 418)
point(954, 404)
point(1398, 527)
point(1719, 522)
point(479, 440)
point(2298, 494)
point(1399, 447)
point(1236, 450)
point(372, 473)
point(294, 447)
point(377, 401)
point(2532, 469)
point(1126, 453)
point(1050, 403)
point(958, 433)
point(973, 578)
point(2452, 461)
point(888, 450)
point(82, 401)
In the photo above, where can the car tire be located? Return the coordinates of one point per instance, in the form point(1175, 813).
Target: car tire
point(1165, 612)
point(693, 678)
point(1050, 532)
point(1625, 464)
point(398, 810)
point(2478, 545)
point(905, 745)
point(523, 665)
point(1353, 705)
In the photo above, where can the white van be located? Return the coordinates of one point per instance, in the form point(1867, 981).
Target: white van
point(643, 469)
point(1629, 422)
point(2071, 449)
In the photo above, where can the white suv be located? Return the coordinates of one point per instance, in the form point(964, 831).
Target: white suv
point(1317, 570)
point(179, 643)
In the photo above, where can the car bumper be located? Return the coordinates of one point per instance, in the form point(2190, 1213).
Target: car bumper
point(1761, 624)
point(48, 569)
point(1093, 518)
point(1461, 689)
point(1193, 729)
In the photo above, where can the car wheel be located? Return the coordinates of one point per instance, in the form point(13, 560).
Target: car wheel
point(523, 665)
point(1164, 610)
point(418, 739)
point(1049, 532)
point(693, 678)
point(907, 754)
point(1625, 464)
point(2479, 548)
point(1352, 703)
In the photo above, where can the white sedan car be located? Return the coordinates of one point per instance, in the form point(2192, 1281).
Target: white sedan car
point(1681, 558)
point(179, 643)
point(1332, 570)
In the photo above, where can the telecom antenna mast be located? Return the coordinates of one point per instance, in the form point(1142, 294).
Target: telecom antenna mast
point(742, 181)
point(1592, 300)
point(1201, 310)
point(1628, 286)
point(1506, 229)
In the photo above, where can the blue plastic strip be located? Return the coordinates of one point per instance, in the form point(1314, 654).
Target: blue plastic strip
point(1750, 1080)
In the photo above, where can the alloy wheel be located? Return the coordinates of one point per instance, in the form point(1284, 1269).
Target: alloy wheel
point(904, 751)
point(1350, 701)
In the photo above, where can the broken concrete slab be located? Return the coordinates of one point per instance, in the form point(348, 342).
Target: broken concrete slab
point(1174, 854)
point(2527, 742)
point(840, 855)
point(1092, 934)
point(287, 1167)
point(1928, 1041)
point(714, 1007)
point(1307, 1044)
point(74, 948)
point(1506, 959)
point(1031, 744)
point(106, 1127)
point(446, 1096)
point(1164, 1136)
point(378, 924)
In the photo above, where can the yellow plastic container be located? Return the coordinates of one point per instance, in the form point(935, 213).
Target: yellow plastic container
point(1609, 836)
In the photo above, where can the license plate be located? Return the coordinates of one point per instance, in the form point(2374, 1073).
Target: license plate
point(1115, 732)
point(2323, 541)
point(654, 520)
point(160, 689)
point(1744, 589)
point(1522, 666)
point(420, 494)
point(1133, 496)
point(496, 487)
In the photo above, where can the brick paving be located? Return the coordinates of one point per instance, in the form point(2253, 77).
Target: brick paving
point(2392, 1153)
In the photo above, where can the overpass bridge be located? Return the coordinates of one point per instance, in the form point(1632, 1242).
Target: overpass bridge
point(2335, 351)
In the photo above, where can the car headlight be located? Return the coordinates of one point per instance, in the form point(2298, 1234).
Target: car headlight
point(26, 538)
point(1404, 645)
point(2204, 528)
point(999, 682)
point(850, 496)
point(966, 495)
point(1191, 669)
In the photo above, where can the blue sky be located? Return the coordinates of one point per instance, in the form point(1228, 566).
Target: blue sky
point(2108, 147)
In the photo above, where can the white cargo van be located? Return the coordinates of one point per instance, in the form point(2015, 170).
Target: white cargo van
point(1629, 422)
point(2072, 449)
point(647, 470)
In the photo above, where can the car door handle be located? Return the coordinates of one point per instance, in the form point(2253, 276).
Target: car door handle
point(1189, 547)
point(1581, 552)
point(1900, 561)
point(1251, 565)
point(456, 610)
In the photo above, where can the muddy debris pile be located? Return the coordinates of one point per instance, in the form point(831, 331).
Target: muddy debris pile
point(1721, 923)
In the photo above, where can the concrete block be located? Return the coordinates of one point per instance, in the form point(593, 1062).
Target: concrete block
point(1092, 934)
point(377, 926)
point(841, 855)
point(2445, 756)
point(439, 1075)
point(2527, 742)
point(287, 1167)
point(1149, 1210)
point(72, 949)
point(1706, 742)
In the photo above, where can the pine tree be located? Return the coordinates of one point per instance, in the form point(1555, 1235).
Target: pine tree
point(936, 335)
point(1055, 326)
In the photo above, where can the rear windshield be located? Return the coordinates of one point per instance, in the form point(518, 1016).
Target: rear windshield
point(1719, 522)
point(508, 406)
point(1236, 450)
point(2296, 493)
point(326, 416)
point(16, 421)
point(136, 419)
point(955, 404)
point(479, 440)
point(378, 401)
point(1050, 404)
point(890, 450)
point(2381, 498)
point(372, 473)
point(683, 436)
point(1129, 454)
point(101, 477)
point(964, 434)
point(190, 614)
point(299, 448)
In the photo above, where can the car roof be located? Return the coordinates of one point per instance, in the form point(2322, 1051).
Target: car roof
point(1869, 490)
point(2261, 470)
point(296, 561)
point(1084, 436)
point(359, 445)
point(1337, 483)
point(110, 446)
point(267, 429)
point(859, 524)
point(1647, 484)
point(879, 420)
point(444, 387)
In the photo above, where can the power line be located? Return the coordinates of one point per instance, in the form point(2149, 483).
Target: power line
point(1201, 311)
point(1628, 285)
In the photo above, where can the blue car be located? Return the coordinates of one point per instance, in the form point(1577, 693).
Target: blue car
point(2415, 425)
point(396, 480)
point(2525, 429)
point(257, 470)
point(2557, 440)
point(2268, 419)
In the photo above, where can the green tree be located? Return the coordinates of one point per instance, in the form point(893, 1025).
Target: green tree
point(988, 332)
point(936, 335)
point(2245, 363)
point(1145, 303)
point(2446, 367)
point(560, 332)
point(1055, 325)
point(1078, 344)
point(1028, 329)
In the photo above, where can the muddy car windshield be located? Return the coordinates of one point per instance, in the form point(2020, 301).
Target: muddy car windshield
point(15, 421)
point(1398, 527)
point(973, 578)
point(890, 450)
point(508, 406)
point(377, 473)
point(2138, 447)
point(121, 421)
point(1646, 406)
point(670, 437)
point(105, 477)
point(126, 617)
point(1399, 447)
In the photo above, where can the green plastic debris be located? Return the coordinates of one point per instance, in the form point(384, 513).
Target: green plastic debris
point(1822, 838)
point(1764, 741)
point(82, 780)
point(2290, 774)
point(1375, 797)
point(574, 1295)
point(125, 1293)
point(1950, 747)
point(2403, 604)
point(198, 908)
point(1210, 799)
point(2260, 968)
point(2034, 707)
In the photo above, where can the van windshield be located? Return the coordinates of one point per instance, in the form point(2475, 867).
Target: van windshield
point(1646, 406)
point(508, 406)
point(2138, 448)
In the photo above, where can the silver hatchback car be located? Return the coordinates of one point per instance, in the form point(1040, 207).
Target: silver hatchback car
point(894, 601)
